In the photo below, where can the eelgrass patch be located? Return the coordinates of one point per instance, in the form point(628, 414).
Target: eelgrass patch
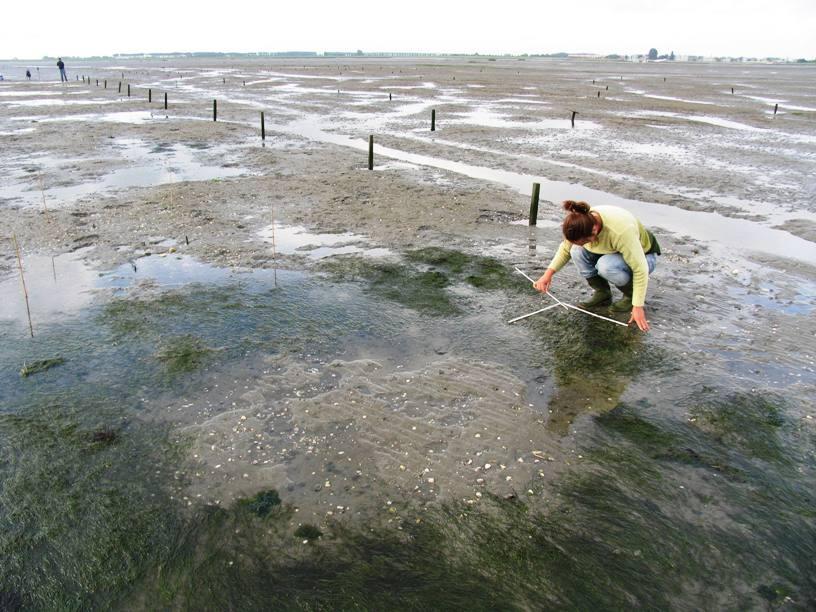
point(750, 423)
point(183, 354)
point(308, 532)
point(41, 365)
point(423, 280)
point(421, 290)
point(262, 503)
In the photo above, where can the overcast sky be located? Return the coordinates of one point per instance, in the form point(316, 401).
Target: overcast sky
point(779, 28)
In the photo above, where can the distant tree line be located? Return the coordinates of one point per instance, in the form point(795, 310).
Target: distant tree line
point(654, 56)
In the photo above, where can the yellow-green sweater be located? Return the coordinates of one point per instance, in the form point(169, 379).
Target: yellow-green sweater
point(621, 233)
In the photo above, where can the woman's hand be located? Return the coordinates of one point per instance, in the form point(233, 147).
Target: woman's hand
point(639, 317)
point(543, 283)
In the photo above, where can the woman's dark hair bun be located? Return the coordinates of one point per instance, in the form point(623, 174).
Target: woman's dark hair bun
point(576, 207)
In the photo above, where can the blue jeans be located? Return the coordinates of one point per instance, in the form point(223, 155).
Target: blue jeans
point(612, 266)
point(63, 76)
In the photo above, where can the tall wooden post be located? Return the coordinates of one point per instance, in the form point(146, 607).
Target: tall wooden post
point(215, 110)
point(433, 119)
point(165, 100)
point(128, 90)
point(371, 152)
point(149, 95)
point(573, 118)
point(534, 204)
point(263, 129)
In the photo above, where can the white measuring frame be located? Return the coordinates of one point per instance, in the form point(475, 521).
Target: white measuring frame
point(564, 304)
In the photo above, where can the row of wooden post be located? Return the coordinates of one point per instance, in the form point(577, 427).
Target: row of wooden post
point(263, 130)
point(536, 186)
point(149, 91)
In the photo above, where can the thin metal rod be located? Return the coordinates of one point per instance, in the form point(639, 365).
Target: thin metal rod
point(533, 313)
point(22, 280)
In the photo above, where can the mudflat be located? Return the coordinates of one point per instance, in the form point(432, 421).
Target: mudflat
point(301, 360)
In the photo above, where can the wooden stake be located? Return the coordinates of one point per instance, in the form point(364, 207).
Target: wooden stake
point(263, 129)
point(433, 119)
point(22, 280)
point(215, 110)
point(573, 118)
point(42, 191)
point(371, 152)
point(534, 204)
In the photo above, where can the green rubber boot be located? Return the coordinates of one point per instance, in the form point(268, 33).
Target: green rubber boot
point(602, 295)
point(625, 303)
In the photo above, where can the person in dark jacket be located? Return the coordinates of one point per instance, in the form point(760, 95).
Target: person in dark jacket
point(61, 66)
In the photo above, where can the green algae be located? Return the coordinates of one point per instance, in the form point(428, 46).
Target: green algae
point(40, 365)
point(453, 261)
point(636, 429)
point(421, 290)
point(79, 520)
point(424, 280)
point(262, 503)
point(681, 447)
point(183, 354)
point(748, 422)
point(609, 538)
point(479, 271)
point(310, 532)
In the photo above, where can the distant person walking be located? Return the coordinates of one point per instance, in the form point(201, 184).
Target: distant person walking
point(61, 66)
point(28, 74)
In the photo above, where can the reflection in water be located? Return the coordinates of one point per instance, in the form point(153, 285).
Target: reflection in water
point(56, 286)
point(294, 239)
point(594, 363)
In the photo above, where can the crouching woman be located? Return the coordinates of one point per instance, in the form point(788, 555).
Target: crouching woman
point(607, 244)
